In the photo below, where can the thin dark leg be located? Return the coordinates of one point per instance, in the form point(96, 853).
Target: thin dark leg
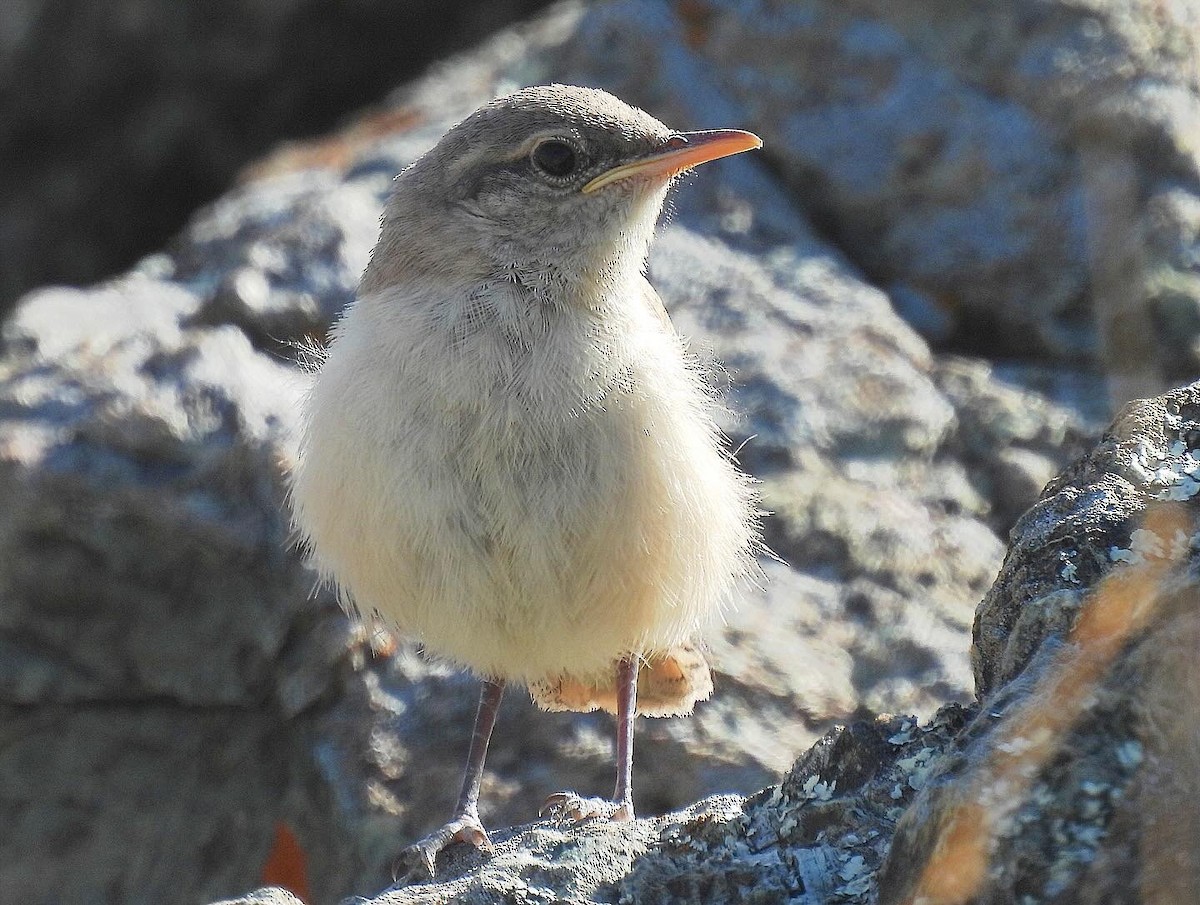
point(570, 806)
point(627, 676)
point(420, 858)
point(485, 721)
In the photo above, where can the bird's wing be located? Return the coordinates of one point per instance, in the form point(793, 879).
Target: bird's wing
point(669, 684)
point(650, 299)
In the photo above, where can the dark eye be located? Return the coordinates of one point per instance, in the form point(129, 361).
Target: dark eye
point(555, 158)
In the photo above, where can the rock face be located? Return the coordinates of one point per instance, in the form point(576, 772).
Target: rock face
point(149, 596)
point(1075, 781)
point(172, 691)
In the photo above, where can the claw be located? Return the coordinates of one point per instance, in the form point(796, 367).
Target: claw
point(418, 862)
point(569, 807)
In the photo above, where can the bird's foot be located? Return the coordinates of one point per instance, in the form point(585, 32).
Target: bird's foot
point(569, 807)
point(418, 862)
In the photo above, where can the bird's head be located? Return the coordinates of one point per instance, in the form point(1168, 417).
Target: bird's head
point(548, 177)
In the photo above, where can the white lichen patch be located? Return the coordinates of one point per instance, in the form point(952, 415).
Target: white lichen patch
point(1181, 545)
point(776, 797)
point(1129, 753)
point(1019, 744)
point(1175, 479)
point(905, 735)
point(1145, 545)
point(1170, 475)
point(917, 767)
point(1183, 487)
point(816, 789)
point(856, 875)
point(1144, 463)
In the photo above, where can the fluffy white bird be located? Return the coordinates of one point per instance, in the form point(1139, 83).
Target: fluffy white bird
point(507, 452)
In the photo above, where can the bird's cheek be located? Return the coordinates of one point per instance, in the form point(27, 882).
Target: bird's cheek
point(472, 214)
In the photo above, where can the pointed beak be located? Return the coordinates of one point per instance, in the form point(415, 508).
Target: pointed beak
point(681, 151)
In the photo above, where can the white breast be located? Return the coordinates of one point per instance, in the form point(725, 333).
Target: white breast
point(531, 490)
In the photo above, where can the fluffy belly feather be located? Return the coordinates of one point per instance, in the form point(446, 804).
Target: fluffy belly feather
point(522, 541)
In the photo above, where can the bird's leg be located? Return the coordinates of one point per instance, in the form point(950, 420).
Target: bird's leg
point(627, 676)
point(464, 826)
point(565, 806)
point(485, 721)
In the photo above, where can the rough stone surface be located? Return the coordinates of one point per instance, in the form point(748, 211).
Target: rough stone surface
point(816, 836)
point(1003, 173)
point(122, 436)
point(1076, 774)
point(1011, 439)
point(157, 632)
point(1019, 165)
point(1084, 523)
point(265, 896)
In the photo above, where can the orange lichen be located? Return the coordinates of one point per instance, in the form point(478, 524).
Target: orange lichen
point(1032, 733)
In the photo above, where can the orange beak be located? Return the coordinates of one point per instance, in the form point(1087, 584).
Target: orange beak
point(682, 151)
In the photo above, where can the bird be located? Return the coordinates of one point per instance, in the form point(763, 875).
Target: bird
point(507, 453)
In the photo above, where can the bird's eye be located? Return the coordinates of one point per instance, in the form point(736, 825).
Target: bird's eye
point(556, 158)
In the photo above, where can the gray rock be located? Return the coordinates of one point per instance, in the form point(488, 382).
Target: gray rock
point(282, 263)
point(133, 799)
point(950, 150)
point(1038, 195)
point(128, 445)
point(265, 896)
point(1008, 172)
point(817, 836)
point(1077, 531)
point(161, 645)
point(1012, 439)
point(1071, 783)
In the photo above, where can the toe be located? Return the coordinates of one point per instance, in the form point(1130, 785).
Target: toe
point(623, 812)
point(418, 862)
point(474, 834)
point(569, 807)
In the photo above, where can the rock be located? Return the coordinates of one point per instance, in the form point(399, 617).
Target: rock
point(957, 166)
point(817, 836)
point(124, 435)
point(1068, 785)
point(151, 598)
point(266, 896)
point(280, 264)
point(1013, 440)
point(1005, 173)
